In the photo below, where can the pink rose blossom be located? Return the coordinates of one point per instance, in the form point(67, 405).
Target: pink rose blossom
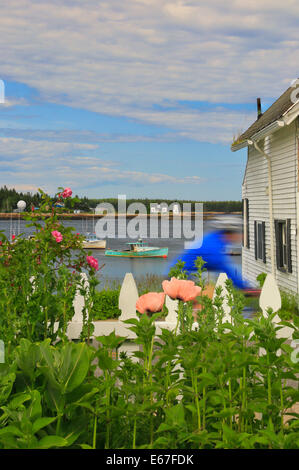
point(57, 235)
point(151, 302)
point(93, 263)
point(67, 193)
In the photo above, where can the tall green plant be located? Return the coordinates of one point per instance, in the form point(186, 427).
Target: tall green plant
point(39, 277)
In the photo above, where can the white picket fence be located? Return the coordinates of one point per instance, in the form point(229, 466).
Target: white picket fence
point(269, 298)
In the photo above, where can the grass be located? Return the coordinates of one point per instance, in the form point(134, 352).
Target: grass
point(146, 283)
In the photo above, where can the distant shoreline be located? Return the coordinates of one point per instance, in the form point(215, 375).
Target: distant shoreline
point(83, 215)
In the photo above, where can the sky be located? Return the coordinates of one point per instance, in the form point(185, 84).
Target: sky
point(138, 97)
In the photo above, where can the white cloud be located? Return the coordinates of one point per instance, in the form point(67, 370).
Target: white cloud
point(121, 57)
point(18, 147)
point(9, 103)
point(24, 160)
point(31, 188)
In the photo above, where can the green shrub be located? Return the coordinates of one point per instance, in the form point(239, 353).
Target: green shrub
point(289, 306)
point(105, 304)
point(261, 279)
point(232, 396)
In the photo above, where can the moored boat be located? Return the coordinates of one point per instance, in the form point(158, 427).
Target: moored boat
point(139, 249)
point(93, 243)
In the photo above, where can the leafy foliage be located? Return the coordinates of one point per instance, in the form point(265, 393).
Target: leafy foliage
point(222, 385)
point(219, 385)
point(105, 304)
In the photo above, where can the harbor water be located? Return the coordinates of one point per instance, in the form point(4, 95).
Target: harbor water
point(115, 268)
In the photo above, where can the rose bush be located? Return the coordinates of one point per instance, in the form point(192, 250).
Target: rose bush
point(40, 276)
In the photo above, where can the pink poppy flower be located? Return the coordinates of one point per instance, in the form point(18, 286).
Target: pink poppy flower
point(93, 263)
point(67, 193)
point(13, 237)
point(57, 235)
point(151, 302)
point(181, 289)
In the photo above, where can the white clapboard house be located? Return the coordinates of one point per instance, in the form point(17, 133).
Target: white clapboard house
point(270, 192)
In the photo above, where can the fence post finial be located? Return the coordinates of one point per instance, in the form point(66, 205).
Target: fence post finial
point(128, 297)
point(270, 298)
point(270, 295)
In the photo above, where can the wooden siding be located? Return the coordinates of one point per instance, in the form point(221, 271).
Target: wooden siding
point(282, 148)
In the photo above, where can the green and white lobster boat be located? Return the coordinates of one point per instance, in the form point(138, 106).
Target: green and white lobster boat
point(139, 249)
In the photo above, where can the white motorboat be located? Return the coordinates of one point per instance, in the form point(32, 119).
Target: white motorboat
point(91, 242)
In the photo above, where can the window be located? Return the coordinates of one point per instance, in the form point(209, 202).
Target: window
point(259, 240)
point(283, 245)
point(245, 212)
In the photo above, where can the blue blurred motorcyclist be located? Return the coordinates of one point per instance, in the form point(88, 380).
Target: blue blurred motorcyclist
point(214, 251)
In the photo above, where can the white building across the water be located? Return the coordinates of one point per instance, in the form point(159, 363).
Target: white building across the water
point(163, 208)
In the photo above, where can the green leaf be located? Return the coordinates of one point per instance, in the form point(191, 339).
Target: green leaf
point(82, 394)
point(6, 383)
point(207, 378)
point(191, 408)
point(131, 321)
point(40, 423)
point(79, 365)
point(176, 415)
point(27, 355)
point(111, 341)
point(54, 399)
point(139, 354)
point(9, 442)
point(164, 427)
point(161, 441)
point(11, 430)
point(35, 407)
point(105, 360)
point(18, 400)
point(52, 441)
point(226, 413)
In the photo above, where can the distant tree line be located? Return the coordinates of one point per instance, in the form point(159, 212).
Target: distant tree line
point(10, 197)
point(208, 206)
